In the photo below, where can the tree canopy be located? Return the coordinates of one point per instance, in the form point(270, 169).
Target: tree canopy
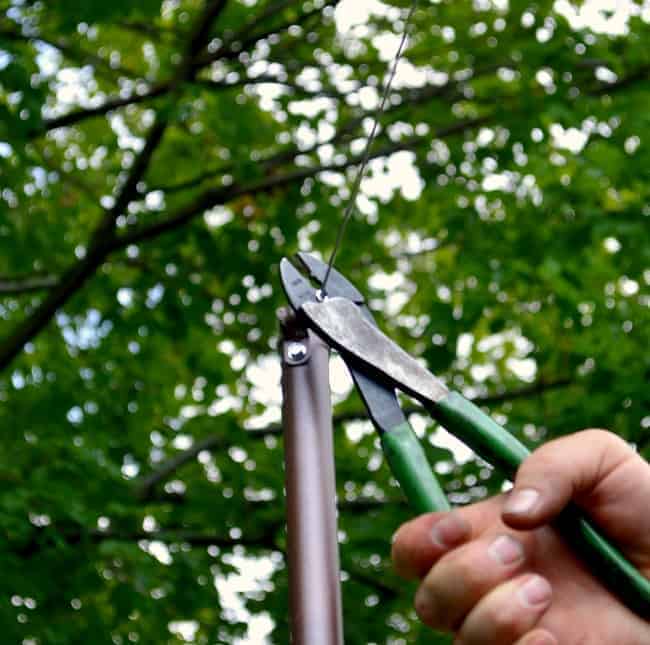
point(157, 161)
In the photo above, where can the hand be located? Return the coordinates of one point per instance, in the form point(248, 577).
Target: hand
point(495, 573)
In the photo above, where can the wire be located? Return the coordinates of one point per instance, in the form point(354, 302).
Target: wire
point(366, 153)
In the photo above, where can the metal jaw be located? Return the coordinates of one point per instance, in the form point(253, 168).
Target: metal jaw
point(337, 285)
point(380, 400)
point(342, 325)
point(297, 288)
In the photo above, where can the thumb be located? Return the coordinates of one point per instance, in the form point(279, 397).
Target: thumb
point(599, 472)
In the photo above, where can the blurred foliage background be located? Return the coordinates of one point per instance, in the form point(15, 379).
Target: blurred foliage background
point(157, 159)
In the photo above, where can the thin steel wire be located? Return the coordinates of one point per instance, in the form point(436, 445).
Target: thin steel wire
point(366, 153)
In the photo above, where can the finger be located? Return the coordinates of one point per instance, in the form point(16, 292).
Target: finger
point(508, 612)
point(420, 542)
point(462, 577)
point(537, 637)
point(595, 468)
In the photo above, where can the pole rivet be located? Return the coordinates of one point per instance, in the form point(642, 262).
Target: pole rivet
point(296, 352)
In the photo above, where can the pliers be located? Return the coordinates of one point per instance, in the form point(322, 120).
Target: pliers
point(379, 367)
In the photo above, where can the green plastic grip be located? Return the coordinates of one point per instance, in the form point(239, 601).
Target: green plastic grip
point(480, 432)
point(498, 447)
point(409, 465)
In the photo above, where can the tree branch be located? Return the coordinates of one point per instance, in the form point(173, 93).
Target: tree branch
point(185, 71)
point(294, 87)
point(218, 196)
point(71, 118)
point(364, 577)
point(193, 538)
point(199, 37)
point(26, 284)
point(640, 75)
point(70, 282)
point(148, 29)
point(272, 10)
point(227, 51)
point(102, 239)
point(193, 63)
point(75, 54)
point(146, 484)
point(345, 131)
point(74, 278)
point(52, 537)
point(104, 242)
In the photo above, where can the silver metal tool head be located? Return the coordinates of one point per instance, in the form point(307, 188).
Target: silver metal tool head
point(337, 284)
point(295, 285)
point(341, 323)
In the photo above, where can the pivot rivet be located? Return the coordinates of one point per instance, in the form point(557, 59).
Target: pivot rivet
point(296, 352)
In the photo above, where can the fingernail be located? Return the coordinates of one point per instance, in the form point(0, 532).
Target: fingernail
point(535, 592)
point(521, 502)
point(506, 550)
point(449, 531)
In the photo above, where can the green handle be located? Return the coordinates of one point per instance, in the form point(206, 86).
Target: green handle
point(410, 467)
point(480, 432)
point(498, 447)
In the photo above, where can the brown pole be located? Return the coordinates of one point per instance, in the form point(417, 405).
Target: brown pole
point(314, 587)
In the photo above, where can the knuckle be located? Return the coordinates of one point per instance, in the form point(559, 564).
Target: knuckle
point(538, 637)
point(544, 468)
point(474, 569)
point(435, 603)
point(543, 460)
point(500, 619)
point(605, 438)
point(450, 590)
point(467, 573)
point(451, 578)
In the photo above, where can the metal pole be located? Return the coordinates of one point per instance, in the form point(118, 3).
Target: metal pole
point(314, 587)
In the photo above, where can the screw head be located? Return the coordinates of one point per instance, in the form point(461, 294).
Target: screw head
point(296, 352)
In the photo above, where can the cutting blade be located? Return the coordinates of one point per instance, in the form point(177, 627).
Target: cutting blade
point(380, 400)
point(340, 322)
point(297, 288)
point(337, 284)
